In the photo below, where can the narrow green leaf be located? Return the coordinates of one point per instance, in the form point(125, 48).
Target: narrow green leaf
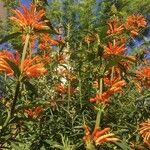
point(30, 86)
point(15, 146)
point(10, 36)
point(123, 145)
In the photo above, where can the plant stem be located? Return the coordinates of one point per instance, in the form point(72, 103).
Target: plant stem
point(68, 51)
point(24, 51)
point(15, 99)
point(99, 113)
point(80, 88)
point(90, 146)
point(98, 118)
point(112, 73)
point(101, 86)
point(69, 95)
point(7, 119)
point(12, 110)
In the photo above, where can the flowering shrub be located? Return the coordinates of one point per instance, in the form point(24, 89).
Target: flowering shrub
point(61, 97)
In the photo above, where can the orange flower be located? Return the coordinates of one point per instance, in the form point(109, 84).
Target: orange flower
point(29, 19)
point(104, 97)
point(46, 42)
point(46, 58)
point(34, 112)
point(143, 74)
point(144, 130)
point(108, 80)
point(98, 136)
point(4, 66)
point(114, 26)
point(101, 98)
point(33, 67)
point(114, 49)
point(134, 23)
point(62, 89)
point(117, 87)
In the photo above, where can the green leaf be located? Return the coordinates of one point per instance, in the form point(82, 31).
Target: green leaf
point(14, 67)
point(30, 86)
point(10, 36)
point(15, 146)
point(42, 148)
point(123, 145)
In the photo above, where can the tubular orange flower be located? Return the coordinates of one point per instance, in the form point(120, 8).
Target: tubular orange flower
point(35, 70)
point(99, 136)
point(29, 18)
point(143, 74)
point(4, 66)
point(144, 130)
point(34, 112)
point(104, 97)
point(114, 26)
point(114, 48)
point(46, 42)
point(33, 67)
point(63, 89)
point(101, 98)
point(134, 23)
point(116, 87)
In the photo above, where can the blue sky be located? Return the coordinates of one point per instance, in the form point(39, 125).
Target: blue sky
point(25, 2)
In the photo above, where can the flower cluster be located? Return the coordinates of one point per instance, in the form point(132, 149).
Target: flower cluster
point(32, 67)
point(104, 97)
point(98, 136)
point(134, 23)
point(144, 130)
point(34, 112)
point(29, 19)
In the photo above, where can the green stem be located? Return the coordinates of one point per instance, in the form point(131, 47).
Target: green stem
point(98, 118)
point(7, 119)
point(80, 88)
point(12, 111)
point(112, 73)
point(101, 86)
point(69, 94)
point(99, 113)
point(68, 51)
point(24, 51)
point(90, 146)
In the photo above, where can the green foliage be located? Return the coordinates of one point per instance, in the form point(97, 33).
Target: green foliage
point(64, 111)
